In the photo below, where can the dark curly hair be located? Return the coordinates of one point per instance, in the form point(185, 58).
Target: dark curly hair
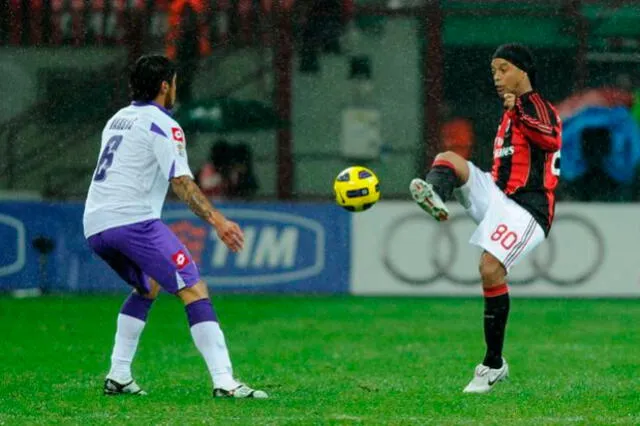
point(147, 76)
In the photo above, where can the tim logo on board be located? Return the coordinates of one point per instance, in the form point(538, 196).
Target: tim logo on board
point(14, 246)
point(283, 250)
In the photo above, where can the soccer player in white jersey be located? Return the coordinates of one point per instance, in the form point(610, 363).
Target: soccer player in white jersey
point(142, 152)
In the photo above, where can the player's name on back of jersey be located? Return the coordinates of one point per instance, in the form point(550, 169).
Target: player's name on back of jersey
point(121, 124)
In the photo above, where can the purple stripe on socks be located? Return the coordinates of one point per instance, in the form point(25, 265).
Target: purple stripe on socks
point(200, 311)
point(136, 306)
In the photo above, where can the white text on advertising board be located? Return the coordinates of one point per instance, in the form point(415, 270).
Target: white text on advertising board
point(263, 248)
point(279, 247)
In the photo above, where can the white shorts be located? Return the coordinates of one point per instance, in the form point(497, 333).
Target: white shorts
point(505, 229)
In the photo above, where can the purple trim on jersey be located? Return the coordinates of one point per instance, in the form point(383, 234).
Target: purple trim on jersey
point(160, 107)
point(200, 311)
point(156, 129)
point(136, 306)
point(146, 249)
point(172, 171)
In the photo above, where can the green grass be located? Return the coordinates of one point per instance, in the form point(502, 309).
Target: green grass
point(325, 361)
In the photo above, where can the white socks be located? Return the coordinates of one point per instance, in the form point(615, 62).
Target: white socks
point(209, 340)
point(205, 330)
point(127, 337)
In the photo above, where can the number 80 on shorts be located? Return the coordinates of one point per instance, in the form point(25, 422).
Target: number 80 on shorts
point(506, 237)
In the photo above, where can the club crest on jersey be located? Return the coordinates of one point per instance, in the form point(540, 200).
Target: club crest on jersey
point(180, 259)
point(178, 136)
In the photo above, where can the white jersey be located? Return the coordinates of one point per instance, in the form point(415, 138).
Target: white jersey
point(142, 149)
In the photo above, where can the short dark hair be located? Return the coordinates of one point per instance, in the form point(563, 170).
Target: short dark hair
point(147, 76)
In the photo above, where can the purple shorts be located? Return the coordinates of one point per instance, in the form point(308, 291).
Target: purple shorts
point(146, 249)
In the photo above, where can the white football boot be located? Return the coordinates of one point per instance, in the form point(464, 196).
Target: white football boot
point(423, 194)
point(242, 391)
point(111, 387)
point(485, 378)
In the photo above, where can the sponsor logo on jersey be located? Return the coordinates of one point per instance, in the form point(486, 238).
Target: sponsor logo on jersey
point(178, 136)
point(503, 152)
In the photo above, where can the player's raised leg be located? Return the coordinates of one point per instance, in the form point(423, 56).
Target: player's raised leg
point(448, 172)
point(494, 367)
point(209, 339)
point(131, 321)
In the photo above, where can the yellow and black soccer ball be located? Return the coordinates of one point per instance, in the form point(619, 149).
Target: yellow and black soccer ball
point(356, 188)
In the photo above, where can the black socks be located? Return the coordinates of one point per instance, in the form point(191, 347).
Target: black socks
point(496, 312)
point(443, 178)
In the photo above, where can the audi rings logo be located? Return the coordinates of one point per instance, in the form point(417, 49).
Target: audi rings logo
point(573, 253)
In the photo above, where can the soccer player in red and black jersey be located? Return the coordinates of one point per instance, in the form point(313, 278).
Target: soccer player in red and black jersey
point(513, 205)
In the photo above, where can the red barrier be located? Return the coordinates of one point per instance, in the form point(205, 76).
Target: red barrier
point(105, 22)
point(175, 18)
point(15, 12)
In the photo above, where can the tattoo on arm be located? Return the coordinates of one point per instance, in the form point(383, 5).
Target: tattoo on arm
point(187, 190)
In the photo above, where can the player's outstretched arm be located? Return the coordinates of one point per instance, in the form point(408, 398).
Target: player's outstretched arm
point(187, 190)
point(229, 232)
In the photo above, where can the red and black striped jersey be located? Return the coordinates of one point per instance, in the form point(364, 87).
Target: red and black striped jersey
point(526, 156)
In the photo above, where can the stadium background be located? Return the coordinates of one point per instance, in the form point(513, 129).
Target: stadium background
point(312, 87)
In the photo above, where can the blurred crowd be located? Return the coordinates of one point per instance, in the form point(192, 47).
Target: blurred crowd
point(228, 172)
point(601, 142)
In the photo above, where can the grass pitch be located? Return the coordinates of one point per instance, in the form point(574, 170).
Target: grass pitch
point(342, 360)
